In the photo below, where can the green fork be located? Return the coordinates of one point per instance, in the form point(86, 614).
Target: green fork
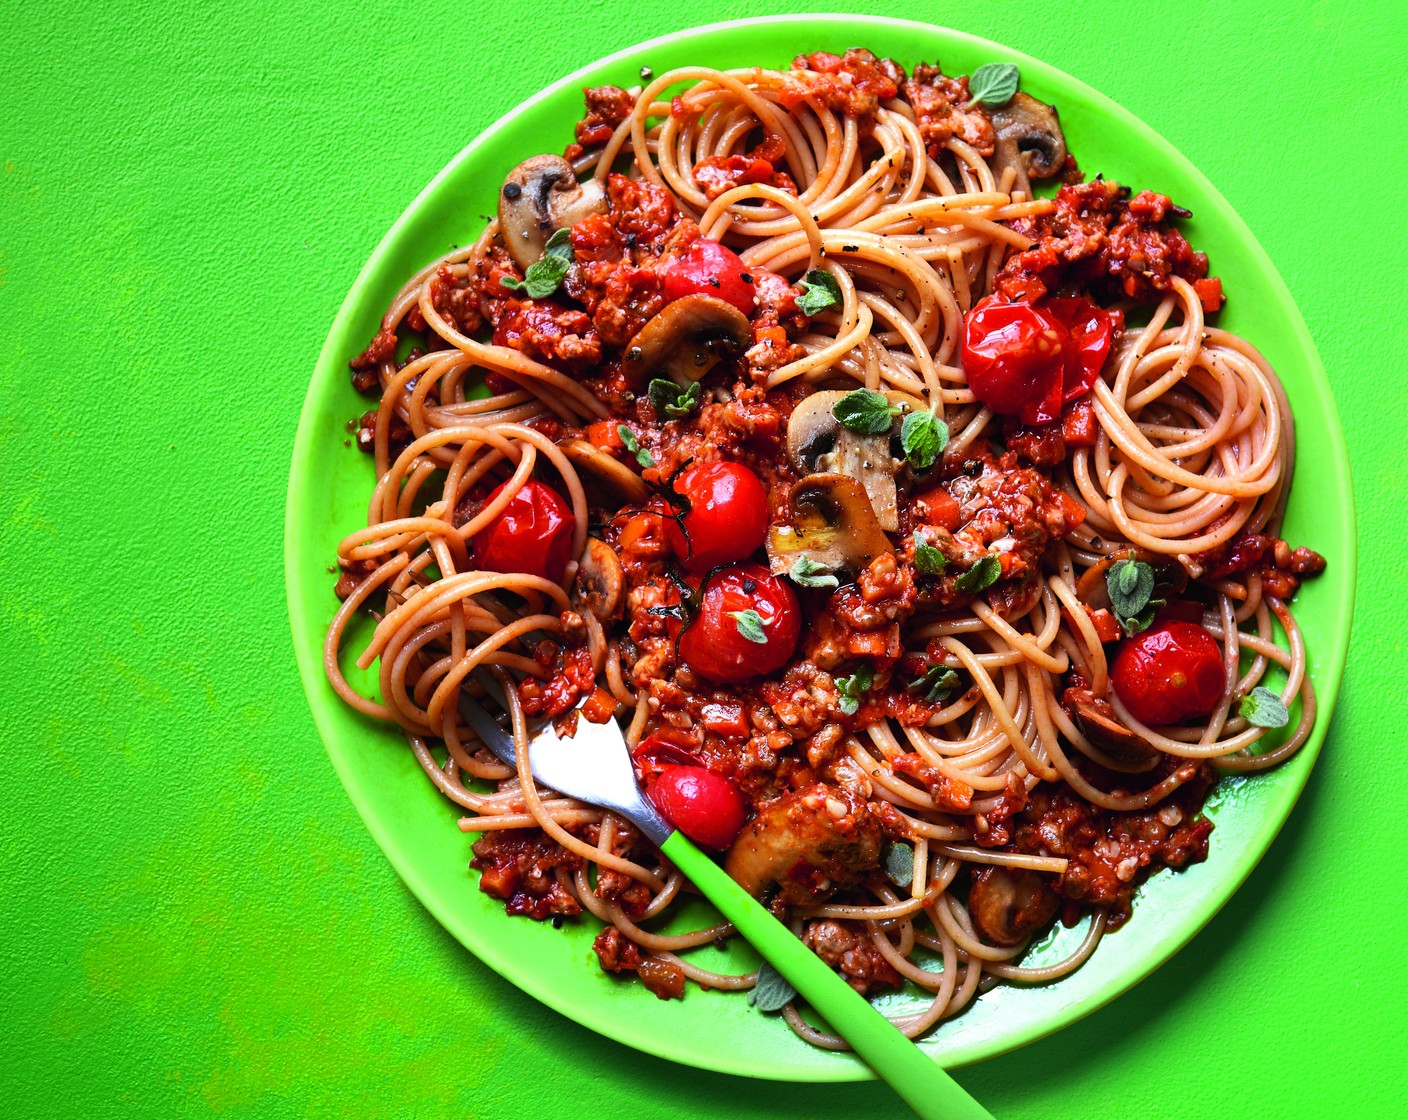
point(592, 765)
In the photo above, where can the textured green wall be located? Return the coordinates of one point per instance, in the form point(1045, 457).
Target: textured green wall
point(192, 918)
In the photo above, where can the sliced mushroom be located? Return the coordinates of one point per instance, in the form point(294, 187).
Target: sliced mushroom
point(601, 581)
point(1029, 139)
point(818, 442)
point(1007, 905)
point(809, 842)
point(685, 340)
point(833, 526)
point(608, 468)
point(540, 195)
point(1098, 722)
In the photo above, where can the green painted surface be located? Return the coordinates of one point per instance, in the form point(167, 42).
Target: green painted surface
point(193, 919)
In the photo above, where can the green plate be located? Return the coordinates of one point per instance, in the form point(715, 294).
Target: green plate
point(331, 481)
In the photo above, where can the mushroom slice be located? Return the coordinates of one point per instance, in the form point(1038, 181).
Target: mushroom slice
point(685, 340)
point(601, 581)
point(1008, 905)
point(607, 468)
point(833, 526)
point(1098, 722)
point(817, 441)
point(1029, 139)
point(540, 195)
point(808, 842)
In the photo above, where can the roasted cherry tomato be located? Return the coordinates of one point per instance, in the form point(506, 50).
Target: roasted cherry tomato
point(1090, 328)
point(716, 645)
point(727, 518)
point(712, 269)
point(533, 534)
point(703, 805)
point(1168, 674)
point(1014, 358)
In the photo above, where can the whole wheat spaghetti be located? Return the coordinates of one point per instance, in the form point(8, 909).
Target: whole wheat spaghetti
point(927, 515)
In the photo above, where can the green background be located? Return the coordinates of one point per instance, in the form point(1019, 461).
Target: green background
point(192, 918)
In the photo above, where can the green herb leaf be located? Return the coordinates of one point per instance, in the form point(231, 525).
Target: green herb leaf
point(819, 291)
point(1263, 708)
point(865, 411)
point(994, 84)
point(923, 437)
point(854, 687)
point(1131, 587)
point(670, 400)
point(928, 560)
point(628, 437)
point(806, 572)
point(980, 576)
point(899, 865)
point(548, 271)
point(936, 684)
point(771, 992)
point(750, 625)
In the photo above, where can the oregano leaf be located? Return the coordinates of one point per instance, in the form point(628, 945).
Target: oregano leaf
point(806, 572)
point(865, 411)
point(772, 992)
point(819, 291)
point(980, 576)
point(899, 865)
point(923, 437)
point(628, 437)
point(750, 625)
point(994, 84)
point(1263, 708)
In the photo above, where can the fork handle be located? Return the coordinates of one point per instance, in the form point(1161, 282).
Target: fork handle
point(920, 1081)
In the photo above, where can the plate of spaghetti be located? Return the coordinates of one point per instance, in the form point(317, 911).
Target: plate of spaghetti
point(899, 441)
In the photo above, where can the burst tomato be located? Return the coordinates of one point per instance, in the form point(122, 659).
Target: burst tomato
point(705, 806)
point(1168, 674)
point(533, 534)
point(738, 605)
point(727, 518)
point(1091, 330)
point(712, 269)
point(1014, 358)
point(1026, 360)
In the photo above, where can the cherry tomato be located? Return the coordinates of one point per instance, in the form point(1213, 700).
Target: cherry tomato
point(533, 534)
point(703, 805)
point(727, 518)
point(714, 645)
point(712, 269)
point(1090, 328)
point(1014, 358)
point(1168, 674)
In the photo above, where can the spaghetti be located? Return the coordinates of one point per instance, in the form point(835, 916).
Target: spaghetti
point(972, 727)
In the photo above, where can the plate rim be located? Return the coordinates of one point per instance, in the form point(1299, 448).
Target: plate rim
point(1332, 660)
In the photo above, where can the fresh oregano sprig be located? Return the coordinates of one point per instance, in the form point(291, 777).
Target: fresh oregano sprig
point(806, 572)
point(854, 687)
point(994, 84)
point(980, 576)
point(628, 437)
point(923, 437)
point(669, 399)
point(937, 683)
point(819, 291)
point(771, 993)
point(548, 271)
point(750, 626)
point(1130, 584)
point(1263, 708)
point(865, 411)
